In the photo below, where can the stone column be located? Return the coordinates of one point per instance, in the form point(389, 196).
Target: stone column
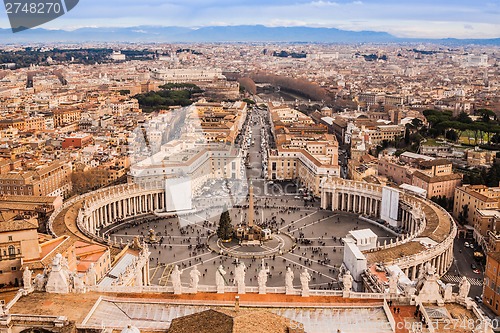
point(105, 210)
point(101, 216)
point(110, 216)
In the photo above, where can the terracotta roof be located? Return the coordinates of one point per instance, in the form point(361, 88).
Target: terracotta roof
point(436, 179)
point(229, 321)
point(49, 250)
point(437, 228)
point(472, 190)
point(14, 224)
point(436, 162)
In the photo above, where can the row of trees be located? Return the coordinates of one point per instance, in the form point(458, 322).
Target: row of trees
point(29, 56)
point(301, 87)
point(170, 95)
point(248, 84)
point(442, 123)
point(489, 177)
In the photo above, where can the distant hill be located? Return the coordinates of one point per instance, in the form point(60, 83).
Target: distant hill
point(242, 33)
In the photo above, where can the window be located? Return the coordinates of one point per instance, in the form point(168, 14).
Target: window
point(12, 251)
point(10, 238)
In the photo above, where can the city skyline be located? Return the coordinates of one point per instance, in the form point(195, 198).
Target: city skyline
point(427, 19)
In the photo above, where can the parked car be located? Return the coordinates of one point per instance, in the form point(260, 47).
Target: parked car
point(466, 244)
point(478, 299)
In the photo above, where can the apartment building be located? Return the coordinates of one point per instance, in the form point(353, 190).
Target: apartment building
point(491, 286)
point(12, 123)
point(52, 179)
point(198, 162)
point(77, 140)
point(385, 132)
point(219, 122)
point(478, 206)
point(395, 170)
point(304, 151)
point(18, 242)
point(437, 178)
point(182, 75)
point(64, 117)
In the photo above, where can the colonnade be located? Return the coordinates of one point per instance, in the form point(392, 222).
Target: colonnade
point(441, 263)
point(115, 207)
point(359, 203)
point(366, 199)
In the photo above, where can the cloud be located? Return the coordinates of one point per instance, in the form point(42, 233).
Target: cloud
point(426, 18)
point(322, 3)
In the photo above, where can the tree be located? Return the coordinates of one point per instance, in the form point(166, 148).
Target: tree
point(443, 201)
point(463, 215)
point(225, 229)
point(248, 84)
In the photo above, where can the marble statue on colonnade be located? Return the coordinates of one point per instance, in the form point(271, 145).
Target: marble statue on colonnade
point(220, 280)
point(448, 292)
point(305, 277)
point(58, 278)
point(195, 279)
point(289, 281)
point(262, 278)
point(27, 279)
point(463, 288)
point(393, 283)
point(347, 281)
point(239, 277)
point(40, 281)
point(92, 275)
point(428, 288)
point(175, 276)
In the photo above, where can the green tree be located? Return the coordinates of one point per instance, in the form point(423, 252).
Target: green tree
point(225, 229)
point(443, 201)
point(463, 215)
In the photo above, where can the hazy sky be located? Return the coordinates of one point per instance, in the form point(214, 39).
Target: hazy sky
point(419, 18)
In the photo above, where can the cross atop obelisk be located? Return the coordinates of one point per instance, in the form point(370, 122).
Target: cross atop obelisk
point(250, 206)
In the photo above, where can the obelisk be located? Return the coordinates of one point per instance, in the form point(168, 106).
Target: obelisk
point(250, 206)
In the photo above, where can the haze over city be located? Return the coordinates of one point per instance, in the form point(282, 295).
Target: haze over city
point(250, 166)
point(422, 19)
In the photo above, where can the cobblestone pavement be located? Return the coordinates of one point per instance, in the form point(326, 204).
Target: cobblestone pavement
point(318, 234)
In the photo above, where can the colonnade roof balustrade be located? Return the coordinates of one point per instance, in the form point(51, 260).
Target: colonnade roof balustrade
point(439, 227)
point(64, 220)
